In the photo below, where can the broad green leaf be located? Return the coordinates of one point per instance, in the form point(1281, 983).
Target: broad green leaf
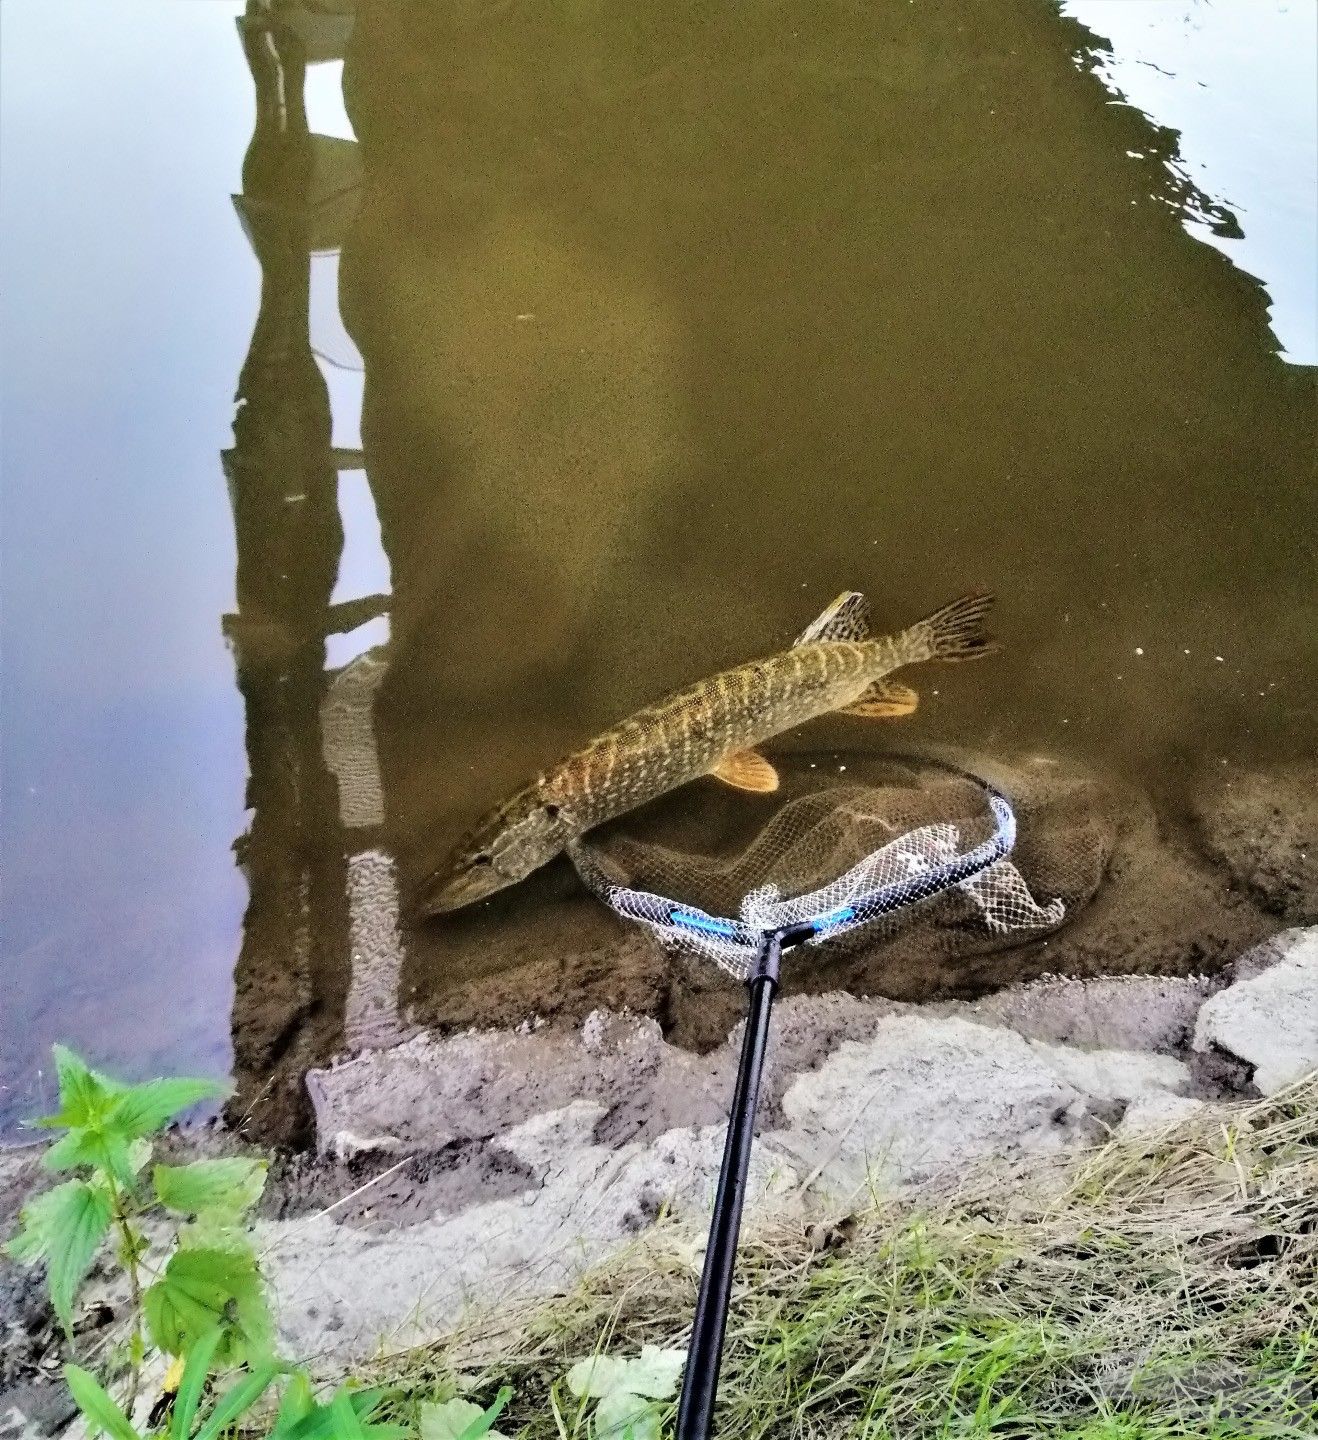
point(597, 1376)
point(192, 1383)
point(98, 1145)
point(237, 1401)
point(253, 1337)
point(78, 1087)
point(85, 1097)
point(456, 1420)
point(101, 1412)
point(78, 1147)
point(621, 1416)
point(201, 1289)
point(64, 1227)
point(655, 1374)
point(87, 1103)
point(231, 1185)
point(217, 1230)
point(143, 1109)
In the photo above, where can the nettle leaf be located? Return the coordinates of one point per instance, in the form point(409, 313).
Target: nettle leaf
point(85, 1095)
point(107, 1122)
point(218, 1230)
point(597, 1376)
point(65, 1226)
point(99, 1147)
point(457, 1419)
point(231, 1186)
point(201, 1289)
point(656, 1373)
point(144, 1109)
point(88, 1103)
point(623, 1416)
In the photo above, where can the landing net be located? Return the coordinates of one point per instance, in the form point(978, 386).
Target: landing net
point(840, 859)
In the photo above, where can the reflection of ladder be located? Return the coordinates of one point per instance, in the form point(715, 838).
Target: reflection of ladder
point(320, 954)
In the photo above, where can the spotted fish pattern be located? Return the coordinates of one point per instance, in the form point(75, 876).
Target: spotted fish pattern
point(709, 728)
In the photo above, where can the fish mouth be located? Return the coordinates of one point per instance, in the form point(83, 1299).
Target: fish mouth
point(443, 894)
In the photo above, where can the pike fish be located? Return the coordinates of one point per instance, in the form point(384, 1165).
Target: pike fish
point(709, 728)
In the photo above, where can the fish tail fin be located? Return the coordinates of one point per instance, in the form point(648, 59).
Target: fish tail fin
point(956, 632)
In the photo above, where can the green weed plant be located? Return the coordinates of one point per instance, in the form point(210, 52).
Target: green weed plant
point(199, 1296)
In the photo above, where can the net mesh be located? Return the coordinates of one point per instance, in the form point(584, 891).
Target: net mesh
point(856, 861)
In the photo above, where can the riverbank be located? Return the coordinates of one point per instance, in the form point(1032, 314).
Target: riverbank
point(1164, 1285)
point(455, 1177)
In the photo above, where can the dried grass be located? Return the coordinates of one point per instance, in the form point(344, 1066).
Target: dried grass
point(1156, 1289)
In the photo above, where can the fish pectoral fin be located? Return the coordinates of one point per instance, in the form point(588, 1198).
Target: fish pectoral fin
point(884, 700)
point(847, 618)
point(747, 770)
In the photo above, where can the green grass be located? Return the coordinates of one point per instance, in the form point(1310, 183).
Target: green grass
point(1157, 1290)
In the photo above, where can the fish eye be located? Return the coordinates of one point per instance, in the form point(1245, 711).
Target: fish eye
point(552, 811)
point(482, 859)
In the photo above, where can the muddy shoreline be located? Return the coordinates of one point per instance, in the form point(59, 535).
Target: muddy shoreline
point(1170, 886)
point(493, 1164)
point(522, 1126)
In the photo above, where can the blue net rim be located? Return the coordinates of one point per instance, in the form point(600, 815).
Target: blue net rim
point(647, 907)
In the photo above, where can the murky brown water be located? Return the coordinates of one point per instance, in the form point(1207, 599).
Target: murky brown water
point(663, 331)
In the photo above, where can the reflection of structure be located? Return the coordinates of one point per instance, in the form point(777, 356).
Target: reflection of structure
point(310, 741)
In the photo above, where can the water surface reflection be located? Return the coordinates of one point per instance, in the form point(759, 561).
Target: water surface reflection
point(669, 329)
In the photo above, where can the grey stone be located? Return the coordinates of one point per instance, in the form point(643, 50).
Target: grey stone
point(1270, 1021)
point(344, 1291)
point(1149, 1114)
point(925, 1096)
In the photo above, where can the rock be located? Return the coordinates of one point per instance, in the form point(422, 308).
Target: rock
point(925, 1096)
point(345, 1290)
point(1148, 1114)
point(345, 1145)
point(1114, 1074)
point(431, 1093)
point(620, 1123)
point(1270, 1021)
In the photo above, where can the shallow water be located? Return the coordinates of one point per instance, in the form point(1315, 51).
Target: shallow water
point(588, 355)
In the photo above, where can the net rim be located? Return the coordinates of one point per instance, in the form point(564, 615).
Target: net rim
point(736, 936)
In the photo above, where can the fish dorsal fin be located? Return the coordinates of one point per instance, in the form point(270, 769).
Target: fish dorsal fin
point(884, 700)
point(747, 770)
point(847, 618)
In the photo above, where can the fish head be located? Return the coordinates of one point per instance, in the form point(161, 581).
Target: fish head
point(505, 847)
